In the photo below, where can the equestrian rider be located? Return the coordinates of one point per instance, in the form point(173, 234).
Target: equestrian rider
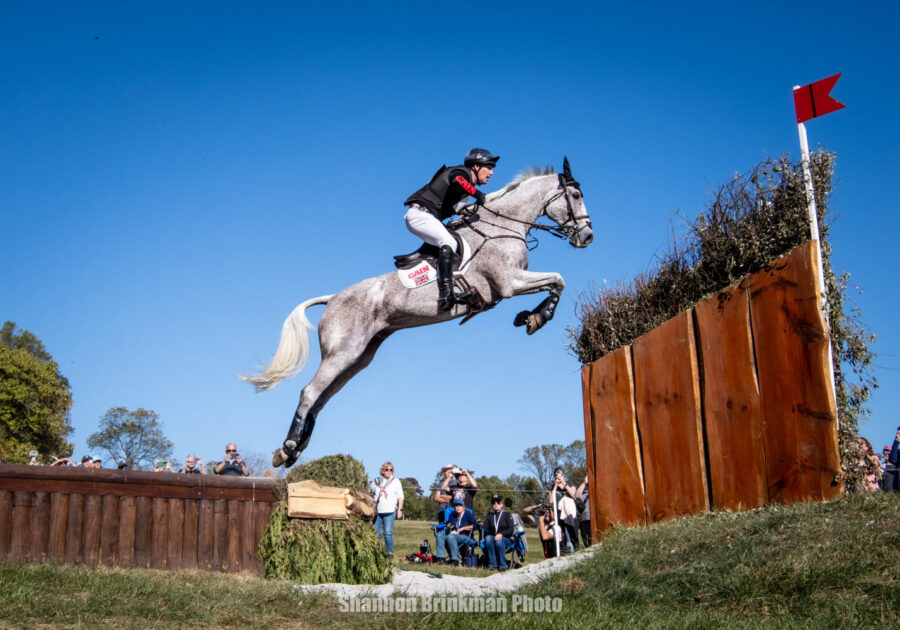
point(437, 201)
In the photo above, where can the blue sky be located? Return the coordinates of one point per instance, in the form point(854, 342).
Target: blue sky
point(176, 177)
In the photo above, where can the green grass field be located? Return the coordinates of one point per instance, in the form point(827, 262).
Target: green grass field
point(831, 565)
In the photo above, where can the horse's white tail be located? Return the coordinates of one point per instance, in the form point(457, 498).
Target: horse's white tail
point(293, 349)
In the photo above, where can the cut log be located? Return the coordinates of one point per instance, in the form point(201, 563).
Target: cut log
point(307, 499)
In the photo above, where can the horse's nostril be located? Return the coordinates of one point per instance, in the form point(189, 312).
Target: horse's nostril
point(588, 239)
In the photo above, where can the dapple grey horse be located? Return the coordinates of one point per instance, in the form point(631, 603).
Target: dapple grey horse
point(358, 319)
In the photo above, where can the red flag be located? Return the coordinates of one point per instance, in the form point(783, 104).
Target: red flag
point(813, 100)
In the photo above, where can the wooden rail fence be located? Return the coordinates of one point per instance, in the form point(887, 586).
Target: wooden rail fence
point(133, 519)
point(729, 405)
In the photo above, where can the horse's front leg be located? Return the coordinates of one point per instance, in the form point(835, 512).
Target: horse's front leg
point(525, 282)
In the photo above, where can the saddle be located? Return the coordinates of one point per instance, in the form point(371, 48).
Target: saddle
point(429, 253)
point(419, 268)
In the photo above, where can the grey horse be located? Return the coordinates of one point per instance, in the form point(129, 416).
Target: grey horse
point(494, 266)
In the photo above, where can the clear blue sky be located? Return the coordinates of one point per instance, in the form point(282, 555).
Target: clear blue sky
point(175, 177)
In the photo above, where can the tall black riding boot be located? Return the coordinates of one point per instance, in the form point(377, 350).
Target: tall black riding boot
point(446, 297)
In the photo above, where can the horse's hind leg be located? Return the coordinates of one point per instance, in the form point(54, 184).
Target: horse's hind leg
point(336, 370)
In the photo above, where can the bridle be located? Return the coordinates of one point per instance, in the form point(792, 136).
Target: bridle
point(567, 229)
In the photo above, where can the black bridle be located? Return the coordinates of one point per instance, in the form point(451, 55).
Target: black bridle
point(567, 229)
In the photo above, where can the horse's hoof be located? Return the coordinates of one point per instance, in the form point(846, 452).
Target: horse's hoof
point(521, 319)
point(281, 458)
point(534, 323)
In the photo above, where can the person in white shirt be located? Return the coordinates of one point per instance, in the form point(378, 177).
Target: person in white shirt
point(388, 495)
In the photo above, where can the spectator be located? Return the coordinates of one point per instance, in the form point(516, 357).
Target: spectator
point(889, 476)
point(193, 466)
point(583, 505)
point(542, 516)
point(87, 462)
point(870, 465)
point(460, 526)
point(161, 465)
point(233, 465)
point(33, 459)
point(443, 496)
point(388, 493)
point(565, 505)
point(466, 488)
point(498, 533)
point(96, 462)
point(894, 459)
point(62, 461)
point(122, 466)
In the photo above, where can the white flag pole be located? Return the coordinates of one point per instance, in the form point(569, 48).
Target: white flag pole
point(814, 234)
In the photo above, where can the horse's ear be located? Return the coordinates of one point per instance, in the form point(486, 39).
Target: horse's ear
point(567, 170)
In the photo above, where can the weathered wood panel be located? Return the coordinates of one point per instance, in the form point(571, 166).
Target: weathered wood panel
point(175, 534)
point(732, 412)
point(59, 515)
point(96, 517)
point(206, 535)
point(126, 542)
point(143, 528)
point(40, 527)
point(589, 444)
point(667, 402)
point(75, 530)
point(189, 535)
point(5, 522)
point(796, 393)
point(92, 527)
point(20, 539)
point(619, 496)
point(109, 529)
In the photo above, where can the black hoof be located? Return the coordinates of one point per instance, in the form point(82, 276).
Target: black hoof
point(522, 318)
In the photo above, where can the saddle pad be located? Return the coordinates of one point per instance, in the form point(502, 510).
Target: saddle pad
point(425, 272)
point(418, 275)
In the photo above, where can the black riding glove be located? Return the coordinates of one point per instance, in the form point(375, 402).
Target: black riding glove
point(479, 196)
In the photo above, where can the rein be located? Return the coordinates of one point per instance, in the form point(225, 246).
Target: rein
point(563, 230)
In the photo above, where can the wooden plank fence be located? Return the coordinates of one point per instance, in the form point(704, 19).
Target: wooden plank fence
point(729, 405)
point(133, 519)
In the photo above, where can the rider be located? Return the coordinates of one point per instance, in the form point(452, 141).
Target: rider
point(436, 201)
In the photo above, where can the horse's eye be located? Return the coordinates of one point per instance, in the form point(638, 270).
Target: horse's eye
point(576, 195)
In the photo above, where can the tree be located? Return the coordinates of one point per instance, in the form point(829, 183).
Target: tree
point(542, 460)
point(35, 399)
point(414, 501)
point(133, 437)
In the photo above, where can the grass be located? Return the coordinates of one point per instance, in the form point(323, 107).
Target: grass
point(408, 535)
point(831, 565)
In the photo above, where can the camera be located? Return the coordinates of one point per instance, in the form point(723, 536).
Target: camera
point(33, 454)
point(544, 510)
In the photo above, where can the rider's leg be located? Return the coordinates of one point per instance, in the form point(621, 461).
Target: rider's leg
point(446, 297)
point(424, 225)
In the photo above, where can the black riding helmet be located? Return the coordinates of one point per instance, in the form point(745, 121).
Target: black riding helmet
point(481, 157)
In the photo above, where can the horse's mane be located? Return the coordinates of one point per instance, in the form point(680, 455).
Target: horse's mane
point(524, 176)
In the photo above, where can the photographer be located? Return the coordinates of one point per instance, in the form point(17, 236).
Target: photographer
point(233, 465)
point(542, 516)
point(565, 504)
point(193, 466)
point(466, 487)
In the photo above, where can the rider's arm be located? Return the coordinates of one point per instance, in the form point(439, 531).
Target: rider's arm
point(459, 180)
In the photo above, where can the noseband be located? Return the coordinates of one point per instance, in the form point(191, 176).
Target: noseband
point(568, 228)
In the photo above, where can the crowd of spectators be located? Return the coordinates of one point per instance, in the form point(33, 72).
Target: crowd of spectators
point(880, 472)
point(232, 465)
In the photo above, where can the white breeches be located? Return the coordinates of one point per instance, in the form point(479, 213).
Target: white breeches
point(423, 224)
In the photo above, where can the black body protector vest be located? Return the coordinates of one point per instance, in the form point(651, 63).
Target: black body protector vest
point(434, 195)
